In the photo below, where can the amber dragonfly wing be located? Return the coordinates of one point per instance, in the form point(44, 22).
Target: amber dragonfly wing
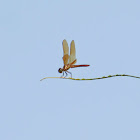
point(72, 58)
point(65, 52)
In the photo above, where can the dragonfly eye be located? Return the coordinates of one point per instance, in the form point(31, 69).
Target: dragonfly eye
point(60, 70)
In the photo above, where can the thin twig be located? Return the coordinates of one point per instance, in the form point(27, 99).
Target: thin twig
point(109, 76)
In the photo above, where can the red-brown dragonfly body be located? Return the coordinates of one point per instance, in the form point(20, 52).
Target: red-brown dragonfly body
point(69, 61)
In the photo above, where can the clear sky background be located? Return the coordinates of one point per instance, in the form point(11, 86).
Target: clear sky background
point(107, 36)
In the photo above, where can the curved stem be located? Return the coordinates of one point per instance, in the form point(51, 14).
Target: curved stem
point(104, 77)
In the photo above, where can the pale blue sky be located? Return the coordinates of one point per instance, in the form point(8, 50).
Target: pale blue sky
point(107, 36)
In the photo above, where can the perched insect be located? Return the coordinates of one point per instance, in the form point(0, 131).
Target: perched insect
point(69, 61)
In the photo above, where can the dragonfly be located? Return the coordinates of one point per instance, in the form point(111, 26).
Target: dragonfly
point(69, 60)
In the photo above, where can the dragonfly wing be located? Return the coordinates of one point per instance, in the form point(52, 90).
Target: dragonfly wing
point(72, 52)
point(65, 52)
point(66, 59)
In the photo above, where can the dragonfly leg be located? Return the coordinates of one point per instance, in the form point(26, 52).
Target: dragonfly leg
point(70, 73)
point(66, 74)
point(62, 75)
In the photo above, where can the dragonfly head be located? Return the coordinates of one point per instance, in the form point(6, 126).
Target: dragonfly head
point(60, 70)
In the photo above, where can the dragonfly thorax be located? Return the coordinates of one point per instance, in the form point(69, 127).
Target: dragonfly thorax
point(66, 67)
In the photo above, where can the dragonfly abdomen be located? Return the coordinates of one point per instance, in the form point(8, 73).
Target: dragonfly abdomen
point(75, 66)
